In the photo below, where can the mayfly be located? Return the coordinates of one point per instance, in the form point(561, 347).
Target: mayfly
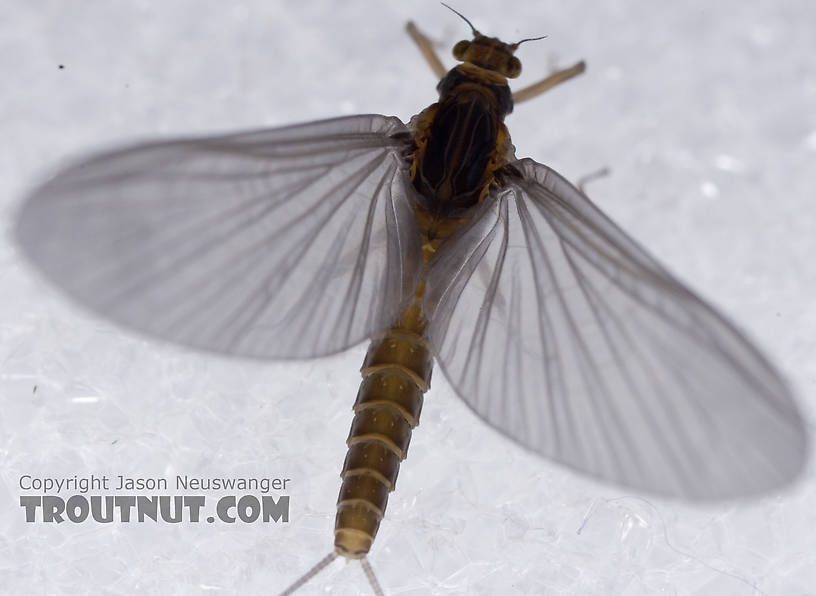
point(434, 242)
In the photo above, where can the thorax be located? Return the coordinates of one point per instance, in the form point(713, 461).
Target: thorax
point(461, 140)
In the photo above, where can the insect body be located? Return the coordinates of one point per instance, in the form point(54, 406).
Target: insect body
point(548, 320)
point(459, 144)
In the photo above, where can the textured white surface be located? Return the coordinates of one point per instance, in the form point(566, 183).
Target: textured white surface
point(704, 112)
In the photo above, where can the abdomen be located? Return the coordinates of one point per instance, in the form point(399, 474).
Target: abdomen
point(396, 374)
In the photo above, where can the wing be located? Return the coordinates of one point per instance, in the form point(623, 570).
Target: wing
point(565, 335)
point(283, 243)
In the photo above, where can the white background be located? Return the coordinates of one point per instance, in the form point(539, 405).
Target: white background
point(706, 114)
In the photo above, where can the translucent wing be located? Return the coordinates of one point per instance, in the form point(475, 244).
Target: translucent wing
point(561, 332)
point(292, 242)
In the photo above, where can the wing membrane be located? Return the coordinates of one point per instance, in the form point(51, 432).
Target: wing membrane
point(292, 242)
point(561, 332)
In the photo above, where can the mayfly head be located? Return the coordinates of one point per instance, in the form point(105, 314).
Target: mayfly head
point(488, 52)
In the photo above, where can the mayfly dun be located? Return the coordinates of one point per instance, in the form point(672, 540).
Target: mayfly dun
point(435, 243)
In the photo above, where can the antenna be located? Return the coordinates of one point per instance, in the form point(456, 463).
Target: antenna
point(464, 18)
point(518, 43)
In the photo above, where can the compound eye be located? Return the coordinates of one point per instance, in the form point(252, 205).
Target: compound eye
point(460, 48)
point(513, 68)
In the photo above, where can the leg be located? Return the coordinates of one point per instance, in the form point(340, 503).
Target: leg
point(549, 82)
point(426, 47)
point(591, 177)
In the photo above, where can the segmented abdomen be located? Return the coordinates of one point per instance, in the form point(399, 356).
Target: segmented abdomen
point(396, 374)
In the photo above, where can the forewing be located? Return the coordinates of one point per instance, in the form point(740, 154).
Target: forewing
point(564, 334)
point(283, 243)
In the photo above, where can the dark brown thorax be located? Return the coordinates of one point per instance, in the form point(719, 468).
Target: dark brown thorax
point(461, 140)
